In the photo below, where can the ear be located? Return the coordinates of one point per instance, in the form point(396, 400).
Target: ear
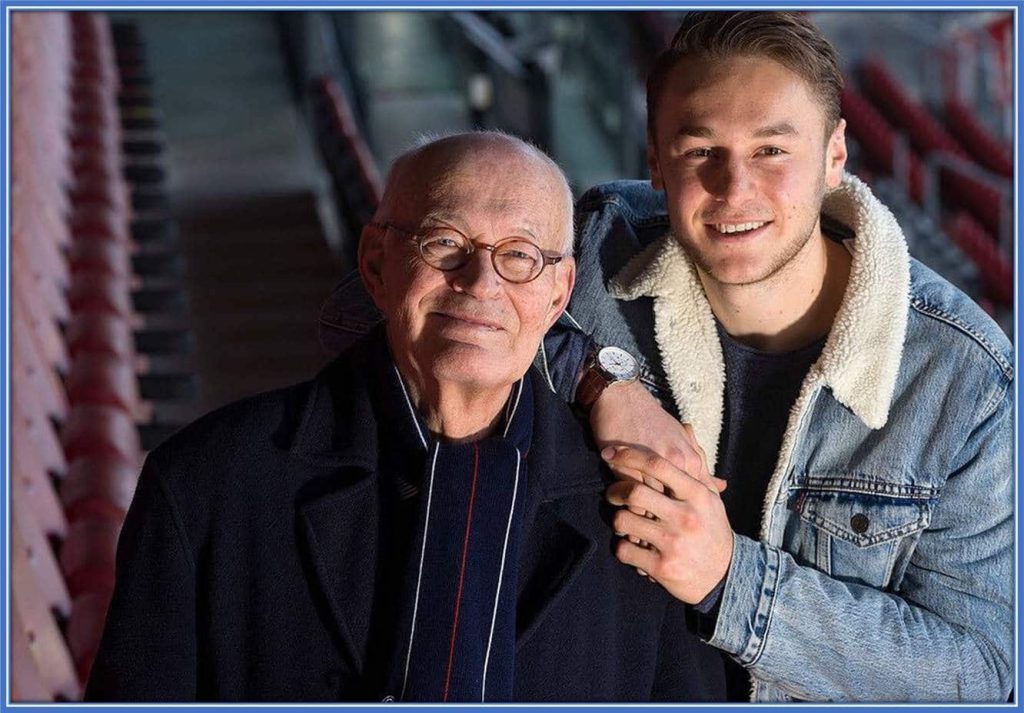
point(835, 155)
point(565, 278)
point(371, 263)
point(652, 164)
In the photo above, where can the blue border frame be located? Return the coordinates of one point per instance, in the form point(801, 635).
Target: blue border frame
point(8, 5)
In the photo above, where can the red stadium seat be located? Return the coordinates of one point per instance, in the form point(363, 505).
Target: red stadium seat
point(85, 628)
point(31, 487)
point(99, 292)
point(102, 333)
point(27, 683)
point(98, 379)
point(31, 551)
point(41, 665)
point(30, 370)
point(102, 431)
point(994, 267)
point(31, 426)
point(990, 152)
point(100, 256)
point(89, 553)
point(97, 486)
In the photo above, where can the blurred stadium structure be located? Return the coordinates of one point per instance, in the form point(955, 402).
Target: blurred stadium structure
point(187, 188)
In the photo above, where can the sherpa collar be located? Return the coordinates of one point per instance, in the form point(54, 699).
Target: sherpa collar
point(861, 356)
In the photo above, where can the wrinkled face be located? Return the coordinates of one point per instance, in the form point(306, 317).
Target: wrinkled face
point(468, 325)
point(742, 153)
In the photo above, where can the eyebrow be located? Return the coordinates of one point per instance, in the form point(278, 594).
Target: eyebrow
point(697, 132)
point(782, 128)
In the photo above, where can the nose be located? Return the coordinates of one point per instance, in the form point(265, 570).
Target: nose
point(477, 277)
point(733, 181)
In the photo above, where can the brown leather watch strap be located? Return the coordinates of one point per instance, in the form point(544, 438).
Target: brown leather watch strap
point(591, 386)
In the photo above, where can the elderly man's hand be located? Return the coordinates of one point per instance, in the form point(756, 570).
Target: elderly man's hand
point(627, 415)
point(685, 541)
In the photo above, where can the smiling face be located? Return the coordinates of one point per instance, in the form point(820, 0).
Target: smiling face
point(468, 326)
point(741, 149)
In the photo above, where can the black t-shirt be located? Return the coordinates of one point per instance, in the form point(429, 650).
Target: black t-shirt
point(760, 390)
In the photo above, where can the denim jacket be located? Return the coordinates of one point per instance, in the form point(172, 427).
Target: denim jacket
point(884, 569)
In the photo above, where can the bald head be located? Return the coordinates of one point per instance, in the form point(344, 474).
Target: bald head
point(425, 180)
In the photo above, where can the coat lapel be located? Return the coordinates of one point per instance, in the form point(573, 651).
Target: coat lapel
point(340, 529)
point(334, 453)
point(554, 552)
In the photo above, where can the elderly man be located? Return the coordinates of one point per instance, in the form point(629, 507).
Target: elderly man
point(424, 520)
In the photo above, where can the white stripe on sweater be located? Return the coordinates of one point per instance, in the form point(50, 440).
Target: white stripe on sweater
point(419, 575)
point(501, 574)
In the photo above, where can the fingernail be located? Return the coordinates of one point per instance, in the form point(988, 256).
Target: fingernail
point(608, 453)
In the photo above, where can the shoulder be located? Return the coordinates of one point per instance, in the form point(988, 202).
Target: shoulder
point(943, 320)
point(562, 443)
point(251, 437)
point(637, 200)
point(555, 420)
point(240, 436)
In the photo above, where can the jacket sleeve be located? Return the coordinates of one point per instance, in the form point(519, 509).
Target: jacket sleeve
point(148, 649)
point(562, 355)
point(347, 315)
point(945, 634)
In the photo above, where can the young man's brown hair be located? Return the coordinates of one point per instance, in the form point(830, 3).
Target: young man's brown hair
point(789, 38)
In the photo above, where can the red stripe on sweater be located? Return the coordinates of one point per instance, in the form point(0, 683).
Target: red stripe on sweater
point(462, 572)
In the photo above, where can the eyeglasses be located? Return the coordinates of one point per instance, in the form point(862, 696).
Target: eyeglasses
point(515, 259)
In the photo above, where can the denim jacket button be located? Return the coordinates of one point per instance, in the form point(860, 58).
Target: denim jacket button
point(859, 523)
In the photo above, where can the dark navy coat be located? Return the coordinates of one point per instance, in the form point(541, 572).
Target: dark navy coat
point(248, 568)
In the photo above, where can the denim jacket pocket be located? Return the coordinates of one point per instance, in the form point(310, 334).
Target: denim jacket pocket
point(861, 537)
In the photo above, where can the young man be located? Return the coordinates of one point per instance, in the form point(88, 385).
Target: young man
point(859, 406)
point(423, 521)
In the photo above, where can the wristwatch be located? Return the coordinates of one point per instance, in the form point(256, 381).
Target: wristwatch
point(603, 368)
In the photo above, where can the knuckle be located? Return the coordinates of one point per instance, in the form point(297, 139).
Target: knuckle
point(688, 519)
point(634, 497)
point(670, 547)
point(620, 521)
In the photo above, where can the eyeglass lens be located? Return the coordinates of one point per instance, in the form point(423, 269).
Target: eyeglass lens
point(514, 260)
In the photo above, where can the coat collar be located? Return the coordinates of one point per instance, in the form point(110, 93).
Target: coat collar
point(863, 350)
point(334, 449)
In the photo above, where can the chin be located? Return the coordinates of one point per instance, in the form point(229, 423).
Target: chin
point(469, 364)
point(740, 276)
point(734, 271)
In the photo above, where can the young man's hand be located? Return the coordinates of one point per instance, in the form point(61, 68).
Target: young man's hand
point(682, 539)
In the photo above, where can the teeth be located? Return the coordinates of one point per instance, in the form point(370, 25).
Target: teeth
point(737, 227)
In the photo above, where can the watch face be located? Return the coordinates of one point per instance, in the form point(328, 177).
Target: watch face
point(618, 363)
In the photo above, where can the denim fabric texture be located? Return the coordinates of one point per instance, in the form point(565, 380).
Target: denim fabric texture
point(884, 570)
